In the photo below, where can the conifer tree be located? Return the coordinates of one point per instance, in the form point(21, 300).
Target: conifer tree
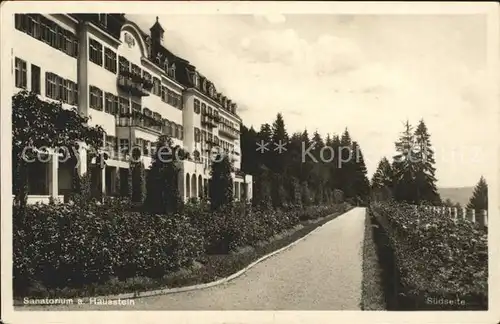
point(479, 199)
point(404, 167)
point(345, 164)
point(221, 183)
point(423, 154)
point(163, 194)
point(361, 184)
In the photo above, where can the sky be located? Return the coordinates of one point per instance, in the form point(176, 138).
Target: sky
point(369, 73)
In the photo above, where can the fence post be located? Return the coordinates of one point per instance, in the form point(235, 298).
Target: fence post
point(455, 213)
point(473, 211)
point(485, 217)
point(464, 215)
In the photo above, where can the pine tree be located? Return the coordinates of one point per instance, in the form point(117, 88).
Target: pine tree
point(163, 194)
point(382, 180)
point(345, 164)
point(479, 199)
point(279, 137)
point(221, 183)
point(423, 155)
point(361, 184)
point(404, 167)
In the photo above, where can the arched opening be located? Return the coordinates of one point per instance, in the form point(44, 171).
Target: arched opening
point(188, 185)
point(193, 186)
point(200, 187)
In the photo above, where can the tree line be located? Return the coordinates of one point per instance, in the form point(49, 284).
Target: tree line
point(300, 169)
point(410, 176)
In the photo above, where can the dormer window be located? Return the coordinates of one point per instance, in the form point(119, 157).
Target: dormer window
point(196, 80)
point(205, 85)
point(211, 91)
point(158, 58)
point(165, 65)
point(172, 70)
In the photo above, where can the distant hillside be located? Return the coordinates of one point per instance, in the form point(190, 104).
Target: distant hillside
point(457, 195)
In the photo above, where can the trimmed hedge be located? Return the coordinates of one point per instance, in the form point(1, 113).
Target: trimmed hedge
point(68, 246)
point(436, 257)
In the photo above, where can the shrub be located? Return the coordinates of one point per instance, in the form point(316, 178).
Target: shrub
point(73, 245)
point(436, 255)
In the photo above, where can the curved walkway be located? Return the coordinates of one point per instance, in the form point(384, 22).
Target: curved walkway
point(322, 272)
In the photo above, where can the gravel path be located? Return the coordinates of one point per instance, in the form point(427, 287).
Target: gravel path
point(322, 272)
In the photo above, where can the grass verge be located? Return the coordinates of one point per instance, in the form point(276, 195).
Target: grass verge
point(372, 297)
point(208, 269)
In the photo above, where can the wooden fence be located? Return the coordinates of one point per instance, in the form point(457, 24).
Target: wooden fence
point(471, 215)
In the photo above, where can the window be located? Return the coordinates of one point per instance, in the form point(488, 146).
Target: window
point(110, 60)
point(165, 66)
point(164, 93)
point(95, 52)
point(203, 108)
point(21, 74)
point(124, 105)
point(48, 31)
point(66, 90)
point(181, 132)
point(95, 98)
point(168, 127)
point(110, 143)
point(73, 94)
point(145, 147)
point(196, 106)
point(156, 87)
point(147, 76)
point(175, 128)
point(135, 69)
point(124, 64)
point(35, 79)
point(197, 136)
point(172, 71)
point(123, 144)
point(50, 85)
point(109, 103)
point(116, 105)
point(33, 25)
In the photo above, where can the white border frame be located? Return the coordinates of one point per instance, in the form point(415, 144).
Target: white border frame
point(489, 9)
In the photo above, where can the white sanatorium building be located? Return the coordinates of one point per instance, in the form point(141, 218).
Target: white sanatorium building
point(105, 65)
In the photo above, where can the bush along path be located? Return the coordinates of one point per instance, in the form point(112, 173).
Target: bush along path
point(90, 249)
point(321, 272)
point(430, 262)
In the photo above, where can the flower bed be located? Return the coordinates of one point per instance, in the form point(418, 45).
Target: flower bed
point(73, 249)
point(439, 260)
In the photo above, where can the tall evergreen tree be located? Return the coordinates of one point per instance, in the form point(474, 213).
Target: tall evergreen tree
point(479, 199)
point(221, 183)
point(361, 184)
point(423, 154)
point(279, 137)
point(345, 164)
point(382, 181)
point(404, 167)
point(163, 194)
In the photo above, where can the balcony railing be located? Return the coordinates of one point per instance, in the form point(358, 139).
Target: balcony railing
point(229, 131)
point(208, 120)
point(134, 83)
point(138, 119)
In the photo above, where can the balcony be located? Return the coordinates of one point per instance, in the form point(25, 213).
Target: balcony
point(229, 131)
point(134, 84)
point(140, 120)
point(209, 120)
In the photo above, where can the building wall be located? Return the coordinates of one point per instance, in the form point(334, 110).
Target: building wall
point(86, 74)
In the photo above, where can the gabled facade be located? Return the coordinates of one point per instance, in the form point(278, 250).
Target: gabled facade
point(128, 82)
